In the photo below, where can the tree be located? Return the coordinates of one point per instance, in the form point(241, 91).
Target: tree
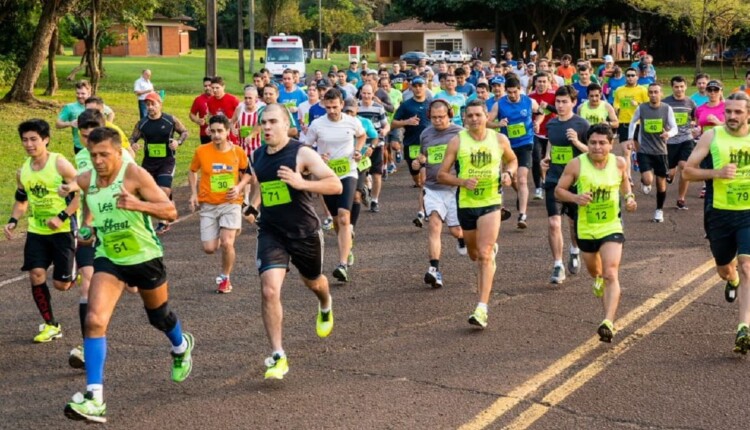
point(288, 19)
point(339, 21)
point(23, 87)
point(271, 9)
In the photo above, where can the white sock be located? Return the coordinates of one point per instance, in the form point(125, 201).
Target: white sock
point(574, 249)
point(330, 302)
point(481, 305)
point(558, 263)
point(97, 390)
point(375, 200)
point(180, 349)
point(280, 353)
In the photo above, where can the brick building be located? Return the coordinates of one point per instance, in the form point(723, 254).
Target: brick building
point(165, 37)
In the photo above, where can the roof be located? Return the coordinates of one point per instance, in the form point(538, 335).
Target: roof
point(160, 17)
point(412, 25)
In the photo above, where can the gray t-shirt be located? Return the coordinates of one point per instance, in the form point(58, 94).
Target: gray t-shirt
point(684, 113)
point(562, 151)
point(654, 121)
point(433, 144)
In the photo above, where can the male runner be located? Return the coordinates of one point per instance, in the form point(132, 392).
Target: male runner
point(599, 177)
point(288, 228)
point(680, 146)
point(223, 170)
point(121, 197)
point(375, 112)
point(199, 109)
point(483, 162)
point(627, 99)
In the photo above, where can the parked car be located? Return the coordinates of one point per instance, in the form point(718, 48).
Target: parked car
point(413, 57)
point(459, 57)
point(440, 55)
point(741, 54)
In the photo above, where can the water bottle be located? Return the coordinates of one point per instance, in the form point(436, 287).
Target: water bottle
point(84, 233)
point(633, 156)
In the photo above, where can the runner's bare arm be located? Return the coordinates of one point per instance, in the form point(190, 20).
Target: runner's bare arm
point(625, 189)
point(510, 161)
point(612, 120)
point(326, 182)
point(693, 171)
point(19, 208)
point(140, 193)
point(179, 127)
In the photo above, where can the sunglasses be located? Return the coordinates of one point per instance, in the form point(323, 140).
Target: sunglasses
point(713, 90)
point(630, 75)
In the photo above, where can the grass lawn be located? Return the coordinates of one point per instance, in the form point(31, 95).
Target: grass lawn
point(181, 79)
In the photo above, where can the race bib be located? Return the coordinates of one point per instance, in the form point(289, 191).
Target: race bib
point(120, 244)
point(516, 130)
point(626, 103)
point(600, 213)
point(274, 193)
point(157, 150)
point(738, 194)
point(653, 126)
point(290, 104)
point(681, 118)
point(221, 182)
point(436, 153)
point(246, 130)
point(561, 154)
point(364, 164)
point(340, 166)
point(482, 195)
point(414, 152)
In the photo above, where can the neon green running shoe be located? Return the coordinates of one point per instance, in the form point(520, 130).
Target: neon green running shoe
point(48, 332)
point(742, 341)
point(478, 318)
point(85, 408)
point(350, 259)
point(606, 331)
point(324, 322)
point(182, 364)
point(598, 287)
point(276, 367)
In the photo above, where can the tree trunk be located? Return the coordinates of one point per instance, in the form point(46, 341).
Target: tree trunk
point(698, 54)
point(92, 48)
point(52, 70)
point(23, 87)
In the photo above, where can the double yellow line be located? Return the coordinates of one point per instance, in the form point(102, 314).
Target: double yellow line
point(503, 405)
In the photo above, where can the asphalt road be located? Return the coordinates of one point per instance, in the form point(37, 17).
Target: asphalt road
point(402, 355)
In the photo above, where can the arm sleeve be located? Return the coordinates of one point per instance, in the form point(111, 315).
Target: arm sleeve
point(634, 123)
point(672, 122)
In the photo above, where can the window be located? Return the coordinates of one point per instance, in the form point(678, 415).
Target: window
point(444, 45)
point(285, 55)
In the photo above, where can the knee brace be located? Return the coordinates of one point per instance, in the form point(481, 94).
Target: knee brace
point(162, 318)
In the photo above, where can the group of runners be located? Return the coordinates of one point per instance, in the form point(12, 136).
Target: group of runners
point(288, 152)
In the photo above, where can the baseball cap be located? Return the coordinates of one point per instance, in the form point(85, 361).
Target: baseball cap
point(642, 53)
point(531, 64)
point(497, 80)
point(642, 66)
point(364, 61)
point(493, 60)
point(608, 59)
point(154, 97)
point(532, 54)
point(418, 80)
point(323, 83)
point(714, 84)
point(350, 105)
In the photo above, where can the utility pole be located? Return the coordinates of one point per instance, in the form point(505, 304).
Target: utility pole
point(252, 36)
point(210, 37)
point(320, 25)
point(241, 41)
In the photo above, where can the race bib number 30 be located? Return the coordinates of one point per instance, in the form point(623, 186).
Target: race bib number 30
point(221, 182)
point(274, 193)
point(516, 130)
point(340, 166)
point(120, 244)
point(157, 150)
point(436, 153)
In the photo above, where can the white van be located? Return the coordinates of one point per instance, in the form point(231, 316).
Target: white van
point(284, 52)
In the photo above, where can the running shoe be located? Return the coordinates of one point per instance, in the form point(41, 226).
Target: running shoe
point(574, 263)
point(659, 215)
point(324, 322)
point(462, 250)
point(670, 179)
point(162, 228)
point(366, 197)
point(224, 286)
point(85, 408)
point(522, 221)
point(742, 341)
point(182, 364)
point(504, 214)
point(276, 367)
point(350, 259)
point(391, 169)
point(606, 331)
point(341, 273)
point(75, 359)
point(419, 220)
point(681, 205)
point(558, 275)
point(702, 194)
point(646, 189)
point(327, 224)
point(538, 194)
point(433, 277)
point(478, 318)
point(598, 287)
point(374, 207)
point(730, 292)
point(48, 332)
point(399, 157)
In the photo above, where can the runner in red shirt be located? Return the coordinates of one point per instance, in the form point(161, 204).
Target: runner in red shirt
point(199, 110)
point(545, 98)
point(222, 103)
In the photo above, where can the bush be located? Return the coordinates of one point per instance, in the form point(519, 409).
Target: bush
point(8, 70)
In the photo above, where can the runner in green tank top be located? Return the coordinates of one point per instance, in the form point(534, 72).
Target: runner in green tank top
point(49, 240)
point(121, 198)
point(727, 211)
point(600, 177)
point(483, 159)
point(595, 110)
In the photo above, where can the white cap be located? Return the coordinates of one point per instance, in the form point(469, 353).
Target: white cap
point(493, 60)
point(608, 59)
point(532, 53)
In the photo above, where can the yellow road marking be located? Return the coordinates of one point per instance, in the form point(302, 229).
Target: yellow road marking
point(504, 404)
point(556, 396)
